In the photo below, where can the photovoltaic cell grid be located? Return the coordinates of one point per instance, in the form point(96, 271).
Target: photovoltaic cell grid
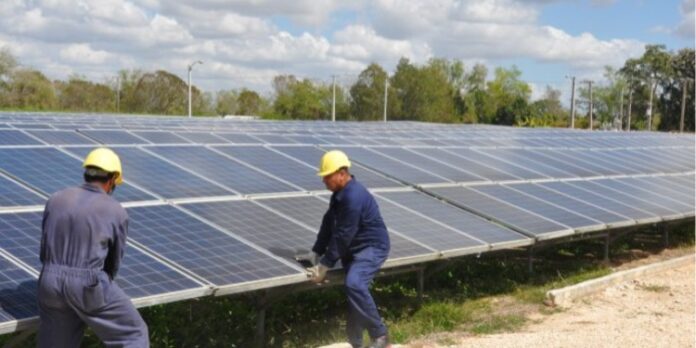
point(61, 137)
point(140, 275)
point(28, 165)
point(160, 177)
point(272, 162)
point(466, 222)
point(12, 194)
point(312, 155)
point(222, 169)
point(17, 292)
point(211, 254)
point(113, 137)
point(16, 137)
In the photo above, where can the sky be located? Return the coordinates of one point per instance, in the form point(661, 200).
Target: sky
point(245, 43)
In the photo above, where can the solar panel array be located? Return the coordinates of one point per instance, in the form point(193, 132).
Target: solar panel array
point(220, 206)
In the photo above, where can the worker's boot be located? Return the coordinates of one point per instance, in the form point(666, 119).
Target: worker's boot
point(380, 342)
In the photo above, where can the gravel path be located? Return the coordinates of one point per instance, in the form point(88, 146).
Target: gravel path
point(651, 311)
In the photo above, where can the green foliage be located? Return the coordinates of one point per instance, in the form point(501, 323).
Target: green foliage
point(300, 99)
point(29, 89)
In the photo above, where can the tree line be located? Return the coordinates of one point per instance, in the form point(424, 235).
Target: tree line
point(649, 87)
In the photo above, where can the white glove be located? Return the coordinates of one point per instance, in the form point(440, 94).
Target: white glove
point(317, 273)
point(311, 257)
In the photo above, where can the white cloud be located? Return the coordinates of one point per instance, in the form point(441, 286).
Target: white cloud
point(82, 53)
point(685, 27)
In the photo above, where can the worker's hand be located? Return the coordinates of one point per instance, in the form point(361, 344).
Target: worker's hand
point(311, 257)
point(317, 273)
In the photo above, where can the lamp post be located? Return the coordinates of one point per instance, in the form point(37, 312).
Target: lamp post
point(190, 67)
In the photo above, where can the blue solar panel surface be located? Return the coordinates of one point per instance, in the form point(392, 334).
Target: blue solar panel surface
point(17, 292)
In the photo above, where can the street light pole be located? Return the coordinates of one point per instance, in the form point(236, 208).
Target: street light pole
point(572, 101)
point(190, 67)
point(386, 87)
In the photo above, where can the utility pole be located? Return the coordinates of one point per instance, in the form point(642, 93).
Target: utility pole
point(572, 102)
point(333, 99)
point(685, 85)
point(630, 102)
point(190, 67)
point(649, 110)
point(589, 83)
point(386, 86)
point(621, 108)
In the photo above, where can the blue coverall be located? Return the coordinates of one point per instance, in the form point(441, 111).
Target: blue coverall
point(353, 231)
point(83, 238)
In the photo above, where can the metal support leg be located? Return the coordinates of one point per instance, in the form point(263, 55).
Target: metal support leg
point(607, 242)
point(665, 235)
point(530, 261)
point(260, 336)
point(421, 284)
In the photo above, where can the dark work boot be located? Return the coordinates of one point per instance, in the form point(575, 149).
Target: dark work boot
point(380, 342)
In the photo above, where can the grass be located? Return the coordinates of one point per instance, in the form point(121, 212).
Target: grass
point(653, 287)
point(493, 293)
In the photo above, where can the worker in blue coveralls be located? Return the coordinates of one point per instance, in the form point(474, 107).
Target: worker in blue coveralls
point(352, 231)
point(82, 243)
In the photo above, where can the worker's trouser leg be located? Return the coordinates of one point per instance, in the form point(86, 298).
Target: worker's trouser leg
point(362, 310)
point(71, 298)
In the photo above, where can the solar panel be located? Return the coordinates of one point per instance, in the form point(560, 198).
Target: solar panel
point(507, 167)
point(552, 159)
point(16, 137)
point(274, 139)
point(112, 137)
point(570, 203)
point(159, 176)
point(549, 211)
point(646, 195)
point(258, 225)
point(477, 168)
point(202, 137)
point(610, 204)
point(211, 254)
point(653, 209)
point(312, 155)
point(239, 138)
point(531, 160)
point(61, 137)
point(140, 275)
point(587, 160)
point(12, 194)
point(221, 169)
point(161, 137)
point(29, 166)
point(272, 162)
point(17, 293)
point(429, 164)
point(510, 215)
point(390, 166)
point(666, 188)
point(31, 126)
point(458, 218)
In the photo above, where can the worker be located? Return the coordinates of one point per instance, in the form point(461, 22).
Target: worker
point(82, 243)
point(353, 232)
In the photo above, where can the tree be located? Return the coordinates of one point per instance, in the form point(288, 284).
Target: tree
point(424, 93)
point(508, 97)
point(367, 95)
point(249, 102)
point(78, 94)
point(30, 89)
point(299, 99)
point(547, 111)
point(226, 103)
point(670, 100)
point(474, 94)
point(158, 92)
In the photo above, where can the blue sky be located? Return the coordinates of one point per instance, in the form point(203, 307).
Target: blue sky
point(245, 43)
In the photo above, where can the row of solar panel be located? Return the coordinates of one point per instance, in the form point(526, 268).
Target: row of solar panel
point(180, 172)
point(238, 245)
point(18, 137)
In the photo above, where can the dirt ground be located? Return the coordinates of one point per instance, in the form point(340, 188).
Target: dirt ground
point(650, 311)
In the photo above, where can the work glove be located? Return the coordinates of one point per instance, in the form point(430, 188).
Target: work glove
point(317, 273)
point(311, 257)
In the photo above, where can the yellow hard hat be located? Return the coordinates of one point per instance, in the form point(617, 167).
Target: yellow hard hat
point(332, 161)
point(106, 160)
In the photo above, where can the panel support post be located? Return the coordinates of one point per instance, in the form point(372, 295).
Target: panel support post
point(530, 260)
point(260, 335)
point(421, 285)
point(662, 228)
point(607, 244)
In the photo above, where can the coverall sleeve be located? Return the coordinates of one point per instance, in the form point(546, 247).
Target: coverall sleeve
point(324, 235)
point(116, 249)
point(347, 224)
